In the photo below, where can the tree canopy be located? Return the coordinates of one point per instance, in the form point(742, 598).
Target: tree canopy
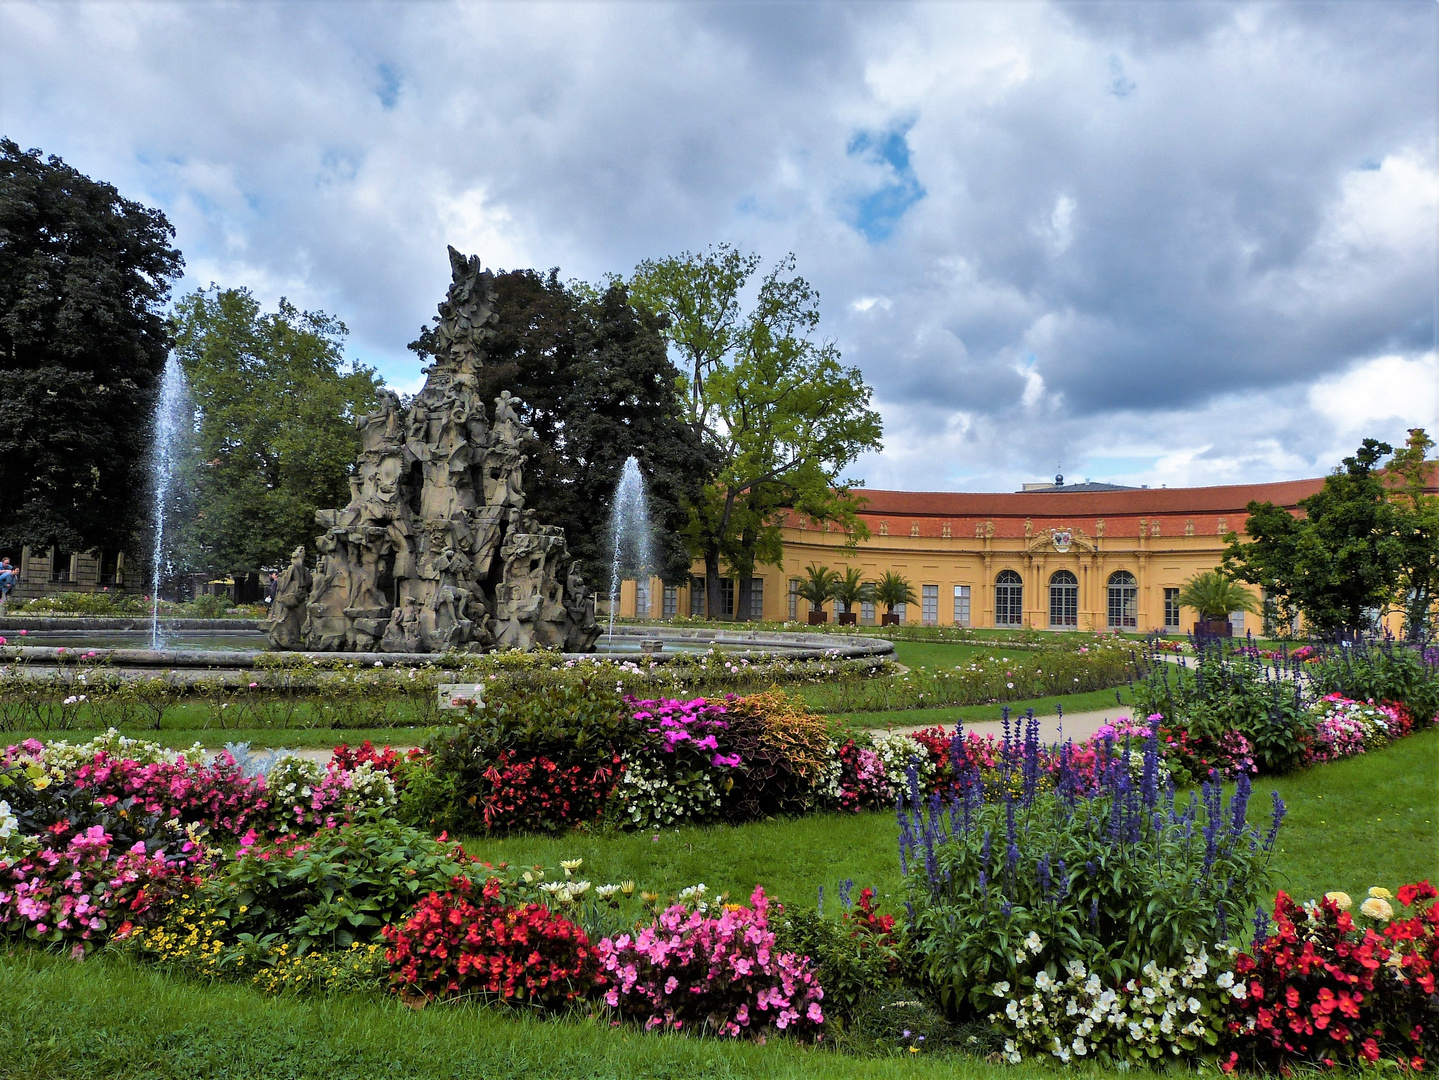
point(779, 414)
point(1348, 555)
point(598, 387)
point(276, 402)
point(84, 277)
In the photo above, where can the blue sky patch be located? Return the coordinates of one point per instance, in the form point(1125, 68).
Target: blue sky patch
point(877, 213)
point(388, 90)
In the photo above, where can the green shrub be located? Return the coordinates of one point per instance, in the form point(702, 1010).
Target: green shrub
point(579, 725)
point(338, 888)
point(1230, 692)
point(1006, 881)
point(858, 969)
point(210, 607)
point(1379, 671)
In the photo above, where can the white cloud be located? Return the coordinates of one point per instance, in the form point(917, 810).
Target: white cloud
point(1219, 273)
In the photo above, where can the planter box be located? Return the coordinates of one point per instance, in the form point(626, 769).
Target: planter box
point(818, 617)
point(1214, 628)
point(847, 618)
point(889, 620)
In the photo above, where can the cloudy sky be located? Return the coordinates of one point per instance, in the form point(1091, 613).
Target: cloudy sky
point(1182, 243)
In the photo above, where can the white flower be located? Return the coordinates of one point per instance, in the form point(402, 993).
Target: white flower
point(1033, 943)
point(604, 892)
point(999, 989)
point(1225, 980)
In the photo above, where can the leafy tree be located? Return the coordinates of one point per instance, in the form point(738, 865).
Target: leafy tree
point(1337, 562)
point(1214, 596)
point(779, 414)
point(894, 589)
point(84, 275)
point(276, 402)
point(598, 387)
point(1416, 527)
point(817, 586)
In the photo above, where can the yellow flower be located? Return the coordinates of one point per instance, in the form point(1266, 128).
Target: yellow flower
point(1341, 899)
point(1376, 908)
point(649, 897)
point(1379, 893)
point(628, 888)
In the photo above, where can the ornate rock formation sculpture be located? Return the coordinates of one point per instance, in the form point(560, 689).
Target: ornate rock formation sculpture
point(436, 550)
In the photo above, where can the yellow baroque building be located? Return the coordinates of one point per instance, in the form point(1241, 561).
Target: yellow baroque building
point(1083, 556)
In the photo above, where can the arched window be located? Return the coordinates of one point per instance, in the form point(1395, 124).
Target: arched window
point(1008, 599)
point(1123, 601)
point(1063, 599)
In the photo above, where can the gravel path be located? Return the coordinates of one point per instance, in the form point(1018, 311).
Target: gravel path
point(1076, 725)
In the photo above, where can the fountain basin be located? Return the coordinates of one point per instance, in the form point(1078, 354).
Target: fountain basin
point(95, 651)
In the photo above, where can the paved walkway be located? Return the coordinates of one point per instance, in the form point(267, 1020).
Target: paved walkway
point(1078, 725)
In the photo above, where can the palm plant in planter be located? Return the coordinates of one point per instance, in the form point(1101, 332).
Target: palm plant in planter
point(850, 590)
point(892, 590)
point(1214, 596)
point(817, 587)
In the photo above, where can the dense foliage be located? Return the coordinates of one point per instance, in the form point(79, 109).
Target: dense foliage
point(597, 387)
point(84, 276)
point(276, 401)
point(1008, 881)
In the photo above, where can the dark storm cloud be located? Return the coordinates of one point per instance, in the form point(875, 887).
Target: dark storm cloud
point(1079, 230)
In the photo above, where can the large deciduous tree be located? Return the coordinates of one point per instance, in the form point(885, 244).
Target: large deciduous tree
point(1338, 562)
point(1416, 526)
point(598, 387)
point(780, 415)
point(276, 402)
point(84, 276)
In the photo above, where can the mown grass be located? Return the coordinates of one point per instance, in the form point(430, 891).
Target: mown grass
point(1365, 821)
point(107, 1018)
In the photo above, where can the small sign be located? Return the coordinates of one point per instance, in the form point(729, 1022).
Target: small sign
point(462, 695)
point(1062, 540)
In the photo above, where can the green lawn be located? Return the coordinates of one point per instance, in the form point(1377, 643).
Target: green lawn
point(947, 715)
point(939, 653)
point(1365, 821)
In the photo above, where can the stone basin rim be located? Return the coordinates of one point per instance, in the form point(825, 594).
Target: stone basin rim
point(767, 646)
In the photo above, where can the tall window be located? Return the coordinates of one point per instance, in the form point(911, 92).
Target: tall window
point(1008, 599)
point(794, 599)
point(1171, 609)
point(726, 598)
point(899, 611)
point(929, 604)
point(961, 605)
point(671, 602)
point(1063, 599)
point(866, 612)
point(59, 565)
point(642, 599)
point(697, 598)
point(1123, 601)
point(756, 598)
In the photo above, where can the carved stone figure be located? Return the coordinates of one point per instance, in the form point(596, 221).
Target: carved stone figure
point(286, 624)
point(435, 549)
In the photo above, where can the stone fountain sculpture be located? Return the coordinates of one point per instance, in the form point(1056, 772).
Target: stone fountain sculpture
point(436, 550)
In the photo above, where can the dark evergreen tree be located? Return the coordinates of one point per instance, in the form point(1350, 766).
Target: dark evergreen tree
point(84, 275)
point(598, 387)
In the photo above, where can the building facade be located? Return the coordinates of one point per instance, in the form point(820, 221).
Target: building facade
point(1083, 557)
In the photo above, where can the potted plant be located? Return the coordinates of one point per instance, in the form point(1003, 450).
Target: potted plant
point(849, 590)
point(1214, 596)
point(817, 588)
point(892, 590)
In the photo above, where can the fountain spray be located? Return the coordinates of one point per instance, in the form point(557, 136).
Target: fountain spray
point(630, 527)
point(174, 418)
